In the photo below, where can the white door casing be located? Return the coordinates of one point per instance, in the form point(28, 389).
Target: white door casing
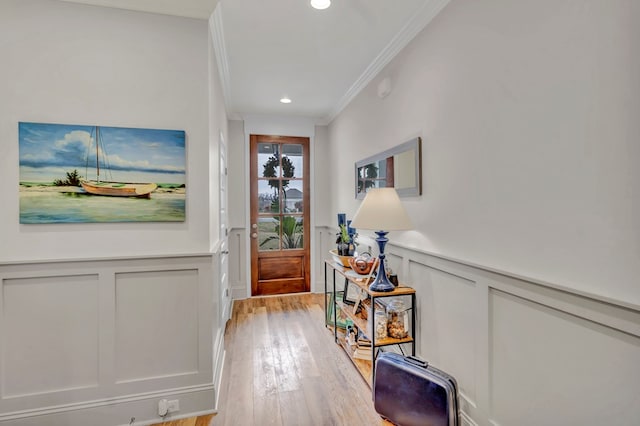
point(225, 294)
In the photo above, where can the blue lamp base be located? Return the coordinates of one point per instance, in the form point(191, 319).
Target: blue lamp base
point(381, 283)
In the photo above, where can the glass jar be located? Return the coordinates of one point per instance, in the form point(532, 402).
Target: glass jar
point(380, 325)
point(397, 319)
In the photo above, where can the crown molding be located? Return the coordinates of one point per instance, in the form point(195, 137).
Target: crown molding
point(220, 51)
point(418, 22)
point(194, 9)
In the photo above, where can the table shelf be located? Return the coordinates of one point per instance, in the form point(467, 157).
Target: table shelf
point(365, 367)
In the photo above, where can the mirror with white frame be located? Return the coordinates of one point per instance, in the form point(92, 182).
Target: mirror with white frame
point(399, 167)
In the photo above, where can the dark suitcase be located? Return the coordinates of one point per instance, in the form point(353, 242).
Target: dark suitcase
point(409, 392)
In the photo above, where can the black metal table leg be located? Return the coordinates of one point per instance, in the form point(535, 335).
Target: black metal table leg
point(413, 324)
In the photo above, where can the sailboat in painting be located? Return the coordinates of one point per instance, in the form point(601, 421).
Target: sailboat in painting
point(114, 189)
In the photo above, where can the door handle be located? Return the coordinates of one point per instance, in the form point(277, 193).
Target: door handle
point(225, 252)
point(254, 235)
point(254, 226)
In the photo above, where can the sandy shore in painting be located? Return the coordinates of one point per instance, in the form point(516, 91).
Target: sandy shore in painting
point(42, 203)
point(72, 189)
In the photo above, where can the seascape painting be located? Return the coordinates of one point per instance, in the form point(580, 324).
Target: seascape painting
point(83, 174)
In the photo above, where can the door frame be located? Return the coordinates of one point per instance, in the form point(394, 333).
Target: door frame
point(277, 125)
point(224, 228)
point(254, 250)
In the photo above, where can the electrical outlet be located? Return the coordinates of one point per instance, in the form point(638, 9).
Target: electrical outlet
point(163, 407)
point(173, 406)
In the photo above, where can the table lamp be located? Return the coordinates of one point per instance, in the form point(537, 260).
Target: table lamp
point(381, 211)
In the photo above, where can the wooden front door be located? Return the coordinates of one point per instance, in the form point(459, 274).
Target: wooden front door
point(279, 215)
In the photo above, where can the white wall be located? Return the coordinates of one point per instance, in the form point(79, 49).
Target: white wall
point(69, 63)
point(238, 175)
point(238, 180)
point(141, 322)
point(217, 126)
point(322, 189)
point(528, 114)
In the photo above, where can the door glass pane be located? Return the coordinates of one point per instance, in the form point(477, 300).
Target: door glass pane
point(382, 171)
point(293, 197)
point(268, 200)
point(268, 160)
point(268, 233)
point(292, 160)
point(292, 232)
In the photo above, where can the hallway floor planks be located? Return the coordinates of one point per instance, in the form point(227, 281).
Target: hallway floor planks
point(282, 367)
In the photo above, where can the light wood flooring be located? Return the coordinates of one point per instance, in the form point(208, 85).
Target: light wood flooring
point(191, 421)
point(282, 367)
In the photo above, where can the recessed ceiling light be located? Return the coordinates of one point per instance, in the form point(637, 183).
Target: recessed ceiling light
point(320, 4)
point(285, 100)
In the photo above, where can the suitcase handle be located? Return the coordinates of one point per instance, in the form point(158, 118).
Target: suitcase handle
point(417, 361)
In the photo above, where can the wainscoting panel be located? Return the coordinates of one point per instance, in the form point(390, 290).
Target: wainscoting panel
point(448, 325)
point(49, 321)
point(102, 341)
point(324, 240)
point(155, 315)
point(551, 359)
point(238, 263)
point(524, 352)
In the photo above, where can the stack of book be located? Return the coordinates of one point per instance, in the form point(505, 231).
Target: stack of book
point(363, 348)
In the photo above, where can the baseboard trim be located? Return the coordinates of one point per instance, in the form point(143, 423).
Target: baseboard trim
point(180, 417)
point(218, 354)
point(238, 293)
point(219, 379)
point(42, 413)
point(465, 419)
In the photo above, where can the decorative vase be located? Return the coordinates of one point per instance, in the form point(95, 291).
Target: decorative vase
point(352, 239)
point(343, 249)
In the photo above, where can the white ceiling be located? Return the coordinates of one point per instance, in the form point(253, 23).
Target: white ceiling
point(320, 59)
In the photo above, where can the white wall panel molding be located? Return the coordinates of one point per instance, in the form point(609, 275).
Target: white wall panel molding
point(551, 359)
point(448, 323)
point(107, 336)
point(505, 339)
point(49, 320)
point(155, 315)
point(323, 242)
point(237, 263)
point(52, 267)
point(465, 420)
point(498, 272)
point(614, 316)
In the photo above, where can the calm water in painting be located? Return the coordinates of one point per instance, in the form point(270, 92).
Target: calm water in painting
point(69, 207)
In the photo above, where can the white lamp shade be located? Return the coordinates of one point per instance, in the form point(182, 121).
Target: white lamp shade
point(381, 210)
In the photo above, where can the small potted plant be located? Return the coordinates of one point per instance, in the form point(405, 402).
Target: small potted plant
point(343, 242)
point(346, 242)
